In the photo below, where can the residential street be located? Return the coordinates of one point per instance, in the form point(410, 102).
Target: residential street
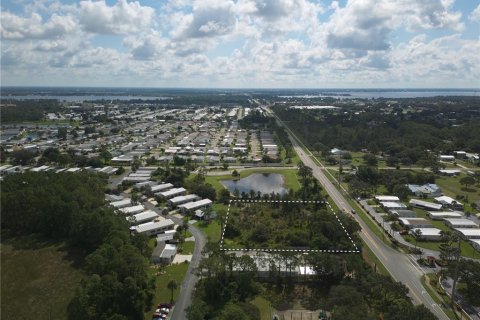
point(188, 285)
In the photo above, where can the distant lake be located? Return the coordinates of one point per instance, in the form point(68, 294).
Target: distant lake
point(266, 183)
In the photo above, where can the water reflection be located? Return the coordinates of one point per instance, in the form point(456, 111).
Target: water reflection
point(264, 183)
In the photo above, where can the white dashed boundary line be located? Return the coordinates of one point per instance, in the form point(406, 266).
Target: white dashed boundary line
point(356, 250)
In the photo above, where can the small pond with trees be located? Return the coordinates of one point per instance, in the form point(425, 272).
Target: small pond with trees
point(265, 183)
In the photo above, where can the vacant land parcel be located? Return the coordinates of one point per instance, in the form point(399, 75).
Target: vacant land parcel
point(304, 226)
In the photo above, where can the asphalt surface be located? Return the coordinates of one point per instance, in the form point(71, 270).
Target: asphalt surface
point(187, 287)
point(403, 268)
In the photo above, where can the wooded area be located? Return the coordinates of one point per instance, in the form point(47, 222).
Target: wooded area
point(70, 207)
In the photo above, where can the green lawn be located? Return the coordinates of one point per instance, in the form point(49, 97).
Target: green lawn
point(290, 175)
point(211, 230)
point(451, 187)
point(164, 275)
point(38, 279)
point(439, 299)
point(467, 250)
point(188, 247)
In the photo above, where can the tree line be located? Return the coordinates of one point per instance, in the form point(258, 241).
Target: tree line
point(70, 207)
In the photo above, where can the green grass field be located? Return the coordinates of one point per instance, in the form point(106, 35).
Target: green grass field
point(162, 293)
point(188, 247)
point(211, 230)
point(38, 279)
point(290, 176)
point(451, 187)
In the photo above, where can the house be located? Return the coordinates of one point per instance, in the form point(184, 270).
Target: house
point(168, 254)
point(160, 187)
point(143, 217)
point(475, 244)
point(403, 213)
point(113, 197)
point(429, 190)
point(460, 223)
point(440, 215)
point(191, 206)
point(415, 223)
point(425, 205)
point(387, 198)
point(171, 193)
point(174, 202)
point(428, 234)
point(121, 203)
point(166, 236)
point(393, 206)
point(154, 228)
point(449, 202)
point(145, 184)
point(468, 233)
point(445, 157)
point(132, 210)
point(449, 172)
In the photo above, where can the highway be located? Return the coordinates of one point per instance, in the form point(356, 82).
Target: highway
point(401, 266)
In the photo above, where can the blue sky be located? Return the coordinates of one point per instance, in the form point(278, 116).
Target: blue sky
point(241, 43)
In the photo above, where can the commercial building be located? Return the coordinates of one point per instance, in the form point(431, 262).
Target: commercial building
point(429, 190)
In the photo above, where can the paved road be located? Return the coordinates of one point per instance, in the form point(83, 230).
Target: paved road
point(187, 287)
point(403, 268)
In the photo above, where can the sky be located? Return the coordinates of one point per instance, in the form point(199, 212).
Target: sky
point(241, 43)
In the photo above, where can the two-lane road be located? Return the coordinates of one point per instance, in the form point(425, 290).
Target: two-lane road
point(400, 266)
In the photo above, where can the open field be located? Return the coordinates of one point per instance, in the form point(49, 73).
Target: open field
point(451, 187)
point(164, 275)
point(38, 279)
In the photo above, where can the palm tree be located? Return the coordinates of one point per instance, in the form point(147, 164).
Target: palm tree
point(417, 234)
point(172, 285)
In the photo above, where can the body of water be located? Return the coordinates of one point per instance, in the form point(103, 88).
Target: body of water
point(89, 94)
point(266, 183)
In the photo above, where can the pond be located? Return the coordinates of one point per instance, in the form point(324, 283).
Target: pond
point(264, 183)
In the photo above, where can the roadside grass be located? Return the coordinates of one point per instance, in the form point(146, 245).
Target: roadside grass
point(38, 278)
point(362, 214)
point(436, 296)
point(467, 250)
point(373, 261)
point(212, 230)
point(163, 276)
point(290, 176)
